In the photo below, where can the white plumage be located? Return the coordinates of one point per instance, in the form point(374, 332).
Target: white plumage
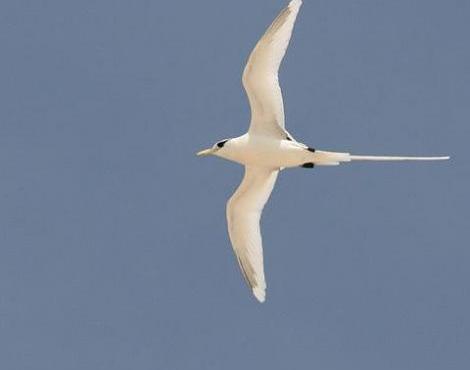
point(267, 148)
point(243, 216)
point(260, 77)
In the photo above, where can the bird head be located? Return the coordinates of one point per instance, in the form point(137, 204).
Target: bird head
point(215, 149)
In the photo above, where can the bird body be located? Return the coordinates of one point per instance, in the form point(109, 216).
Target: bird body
point(259, 150)
point(268, 148)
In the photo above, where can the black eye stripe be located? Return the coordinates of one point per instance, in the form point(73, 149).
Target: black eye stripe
point(220, 144)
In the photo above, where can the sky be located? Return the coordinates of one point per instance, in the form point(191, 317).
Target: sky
point(114, 252)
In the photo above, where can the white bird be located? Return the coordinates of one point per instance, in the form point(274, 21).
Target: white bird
point(268, 148)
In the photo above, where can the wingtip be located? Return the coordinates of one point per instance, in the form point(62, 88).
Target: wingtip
point(295, 3)
point(260, 294)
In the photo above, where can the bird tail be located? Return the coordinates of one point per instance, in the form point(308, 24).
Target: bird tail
point(335, 158)
point(394, 158)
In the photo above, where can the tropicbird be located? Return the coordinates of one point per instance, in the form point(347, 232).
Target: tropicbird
point(268, 148)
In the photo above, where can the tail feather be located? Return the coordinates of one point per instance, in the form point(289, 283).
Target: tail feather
point(334, 158)
point(394, 158)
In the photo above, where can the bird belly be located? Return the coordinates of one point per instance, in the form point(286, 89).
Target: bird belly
point(275, 154)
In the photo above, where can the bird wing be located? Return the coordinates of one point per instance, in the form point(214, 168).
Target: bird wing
point(243, 218)
point(260, 77)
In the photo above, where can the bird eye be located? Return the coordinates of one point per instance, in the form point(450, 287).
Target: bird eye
point(220, 144)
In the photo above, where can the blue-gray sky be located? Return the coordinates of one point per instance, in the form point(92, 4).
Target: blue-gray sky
point(113, 245)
